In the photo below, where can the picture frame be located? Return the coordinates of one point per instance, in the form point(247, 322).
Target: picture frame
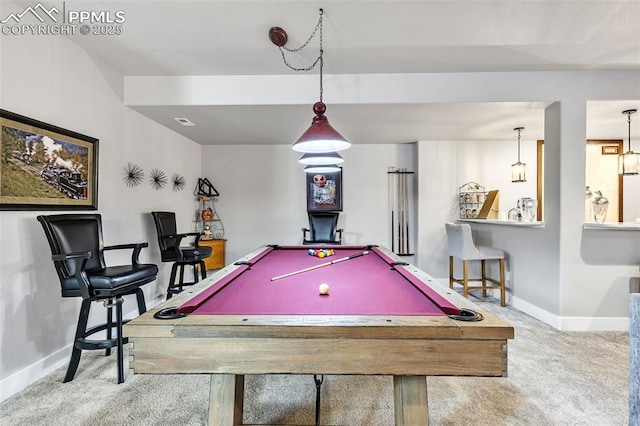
point(324, 191)
point(610, 150)
point(45, 167)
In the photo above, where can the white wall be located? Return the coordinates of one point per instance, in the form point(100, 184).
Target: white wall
point(631, 191)
point(52, 80)
point(263, 200)
point(451, 165)
point(489, 164)
point(437, 203)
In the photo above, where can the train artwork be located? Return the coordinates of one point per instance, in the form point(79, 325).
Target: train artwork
point(45, 167)
point(22, 156)
point(64, 180)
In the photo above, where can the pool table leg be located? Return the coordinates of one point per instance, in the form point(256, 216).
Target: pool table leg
point(226, 400)
point(410, 400)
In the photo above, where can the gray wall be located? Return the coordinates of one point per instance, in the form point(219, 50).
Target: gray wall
point(263, 199)
point(52, 80)
point(566, 276)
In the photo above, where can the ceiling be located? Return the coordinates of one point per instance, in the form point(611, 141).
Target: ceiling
point(368, 36)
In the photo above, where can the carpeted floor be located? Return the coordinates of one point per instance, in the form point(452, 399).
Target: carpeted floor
point(555, 378)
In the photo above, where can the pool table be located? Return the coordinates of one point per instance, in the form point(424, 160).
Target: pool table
point(264, 314)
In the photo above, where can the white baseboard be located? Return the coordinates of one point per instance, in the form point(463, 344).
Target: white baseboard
point(571, 323)
point(562, 323)
point(47, 365)
point(536, 312)
point(595, 324)
point(31, 374)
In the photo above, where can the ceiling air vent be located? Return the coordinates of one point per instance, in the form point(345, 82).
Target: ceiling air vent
point(184, 121)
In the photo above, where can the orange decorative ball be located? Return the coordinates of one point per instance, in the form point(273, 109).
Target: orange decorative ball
point(207, 214)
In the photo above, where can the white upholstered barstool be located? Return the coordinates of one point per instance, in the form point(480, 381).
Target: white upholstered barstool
point(461, 246)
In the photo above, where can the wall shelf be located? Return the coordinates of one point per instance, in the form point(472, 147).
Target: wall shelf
point(505, 223)
point(207, 220)
point(621, 226)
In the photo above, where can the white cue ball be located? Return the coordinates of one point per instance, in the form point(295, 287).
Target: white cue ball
point(324, 289)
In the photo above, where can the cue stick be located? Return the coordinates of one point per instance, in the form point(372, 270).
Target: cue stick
point(392, 201)
point(353, 256)
point(401, 201)
point(395, 216)
point(404, 236)
point(398, 195)
point(406, 202)
point(392, 233)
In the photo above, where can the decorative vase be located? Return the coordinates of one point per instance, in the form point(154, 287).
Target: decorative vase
point(600, 204)
point(514, 215)
point(528, 208)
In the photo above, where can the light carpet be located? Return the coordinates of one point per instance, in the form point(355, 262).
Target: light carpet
point(555, 378)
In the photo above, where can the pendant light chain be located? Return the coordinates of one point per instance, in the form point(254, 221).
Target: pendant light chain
point(320, 139)
point(629, 124)
point(321, 57)
point(519, 130)
point(297, 49)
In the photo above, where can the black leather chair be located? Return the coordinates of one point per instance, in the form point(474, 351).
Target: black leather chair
point(322, 229)
point(170, 251)
point(77, 250)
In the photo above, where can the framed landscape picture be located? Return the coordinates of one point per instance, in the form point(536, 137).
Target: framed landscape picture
point(324, 191)
point(44, 167)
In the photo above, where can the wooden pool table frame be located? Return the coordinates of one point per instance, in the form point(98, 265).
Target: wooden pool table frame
point(230, 346)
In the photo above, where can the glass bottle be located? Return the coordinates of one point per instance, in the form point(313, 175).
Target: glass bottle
point(600, 204)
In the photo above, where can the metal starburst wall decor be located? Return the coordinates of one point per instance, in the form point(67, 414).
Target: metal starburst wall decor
point(179, 182)
point(133, 175)
point(158, 179)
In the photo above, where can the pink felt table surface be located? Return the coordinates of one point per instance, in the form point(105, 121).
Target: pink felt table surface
point(366, 285)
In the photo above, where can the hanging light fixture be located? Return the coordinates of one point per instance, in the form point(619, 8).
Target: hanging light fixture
point(322, 158)
point(320, 137)
point(518, 170)
point(323, 168)
point(629, 162)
